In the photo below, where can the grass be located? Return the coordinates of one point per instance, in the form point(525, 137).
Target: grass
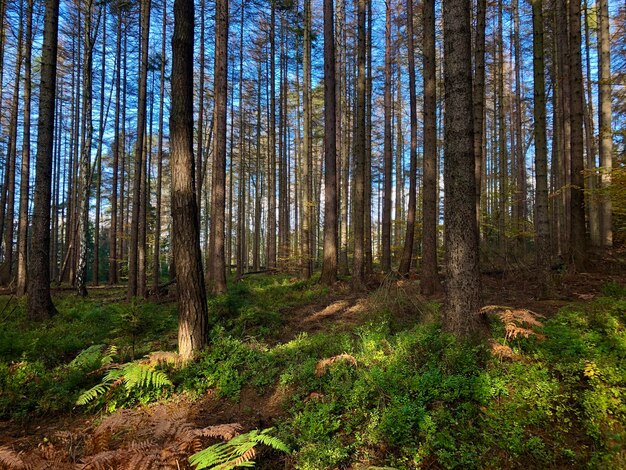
point(416, 397)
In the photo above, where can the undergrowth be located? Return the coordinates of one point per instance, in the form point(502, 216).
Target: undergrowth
point(396, 390)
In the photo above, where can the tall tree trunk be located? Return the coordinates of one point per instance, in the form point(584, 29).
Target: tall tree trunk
point(22, 235)
point(407, 251)
point(6, 269)
point(191, 294)
point(271, 171)
point(102, 123)
point(463, 282)
point(40, 306)
point(85, 154)
point(368, 143)
point(593, 208)
point(217, 268)
point(329, 267)
point(137, 247)
point(429, 283)
point(604, 122)
point(479, 101)
point(542, 225)
point(387, 150)
point(358, 275)
point(113, 243)
point(577, 228)
point(520, 202)
point(156, 266)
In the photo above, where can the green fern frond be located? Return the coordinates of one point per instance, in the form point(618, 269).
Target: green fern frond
point(93, 393)
point(109, 354)
point(237, 452)
point(87, 357)
point(143, 376)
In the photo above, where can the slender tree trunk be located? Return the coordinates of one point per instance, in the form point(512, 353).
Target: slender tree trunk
point(542, 225)
point(387, 151)
point(191, 294)
point(217, 268)
point(429, 283)
point(358, 275)
point(577, 228)
point(6, 269)
point(479, 101)
point(271, 173)
point(137, 247)
point(604, 120)
point(96, 238)
point(520, 164)
point(113, 244)
point(156, 267)
point(407, 251)
point(40, 306)
point(593, 211)
point(329, 267)
point(368, 144)
point(22, 235)
point(463, 281)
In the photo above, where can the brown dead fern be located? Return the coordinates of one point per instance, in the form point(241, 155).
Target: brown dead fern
point(322, 365)
point(517, 321)
point(10, 460)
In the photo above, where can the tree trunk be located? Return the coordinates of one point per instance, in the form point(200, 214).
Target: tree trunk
point(542, 225)
point(22, 235)
point(307, 203)
point(387, 150)
point(329, 267)
point(430, 277)
point(577, 228)
point(137, 247)
point(40, 306)
point(156, 266)
point(271, 171)
point(191, 294)
point(479, 101)
point(604, 122)
point(407, 251)
point(358, 275)
point(460, 312)
point(217, 268)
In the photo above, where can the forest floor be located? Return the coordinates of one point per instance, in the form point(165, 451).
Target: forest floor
point(345, 380)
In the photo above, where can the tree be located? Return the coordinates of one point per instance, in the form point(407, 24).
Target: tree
point(387, 153)
point(358, 274)
point(40, 306)
point(137, 247)
point(542, 225)
point(430, 277)
point(407, 252)
point(606, 134)
point(461, 232)
point(217, 265)
point(307, 168)
point(329, 268)
point(191, 294)
point(22, 236)
point(577, 202)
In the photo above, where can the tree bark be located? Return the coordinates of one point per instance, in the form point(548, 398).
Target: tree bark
point(407, 251)
point(40, 306)
point(460, 312)
point(329, 267)
point(191, 294)
point(22, 235)
point(429, 283)
point(577, 227)
point(604, 122)
point(387, 150)
point(542, 224)
point(217, 271)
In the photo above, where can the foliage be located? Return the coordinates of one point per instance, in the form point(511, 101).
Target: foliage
point(124, 384)
point(237, 452)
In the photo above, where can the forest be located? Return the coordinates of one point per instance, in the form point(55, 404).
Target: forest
point(312, 234)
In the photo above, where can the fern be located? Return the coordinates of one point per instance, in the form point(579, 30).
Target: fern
point(131, 376)
point(87, 357)
point(237, 452)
